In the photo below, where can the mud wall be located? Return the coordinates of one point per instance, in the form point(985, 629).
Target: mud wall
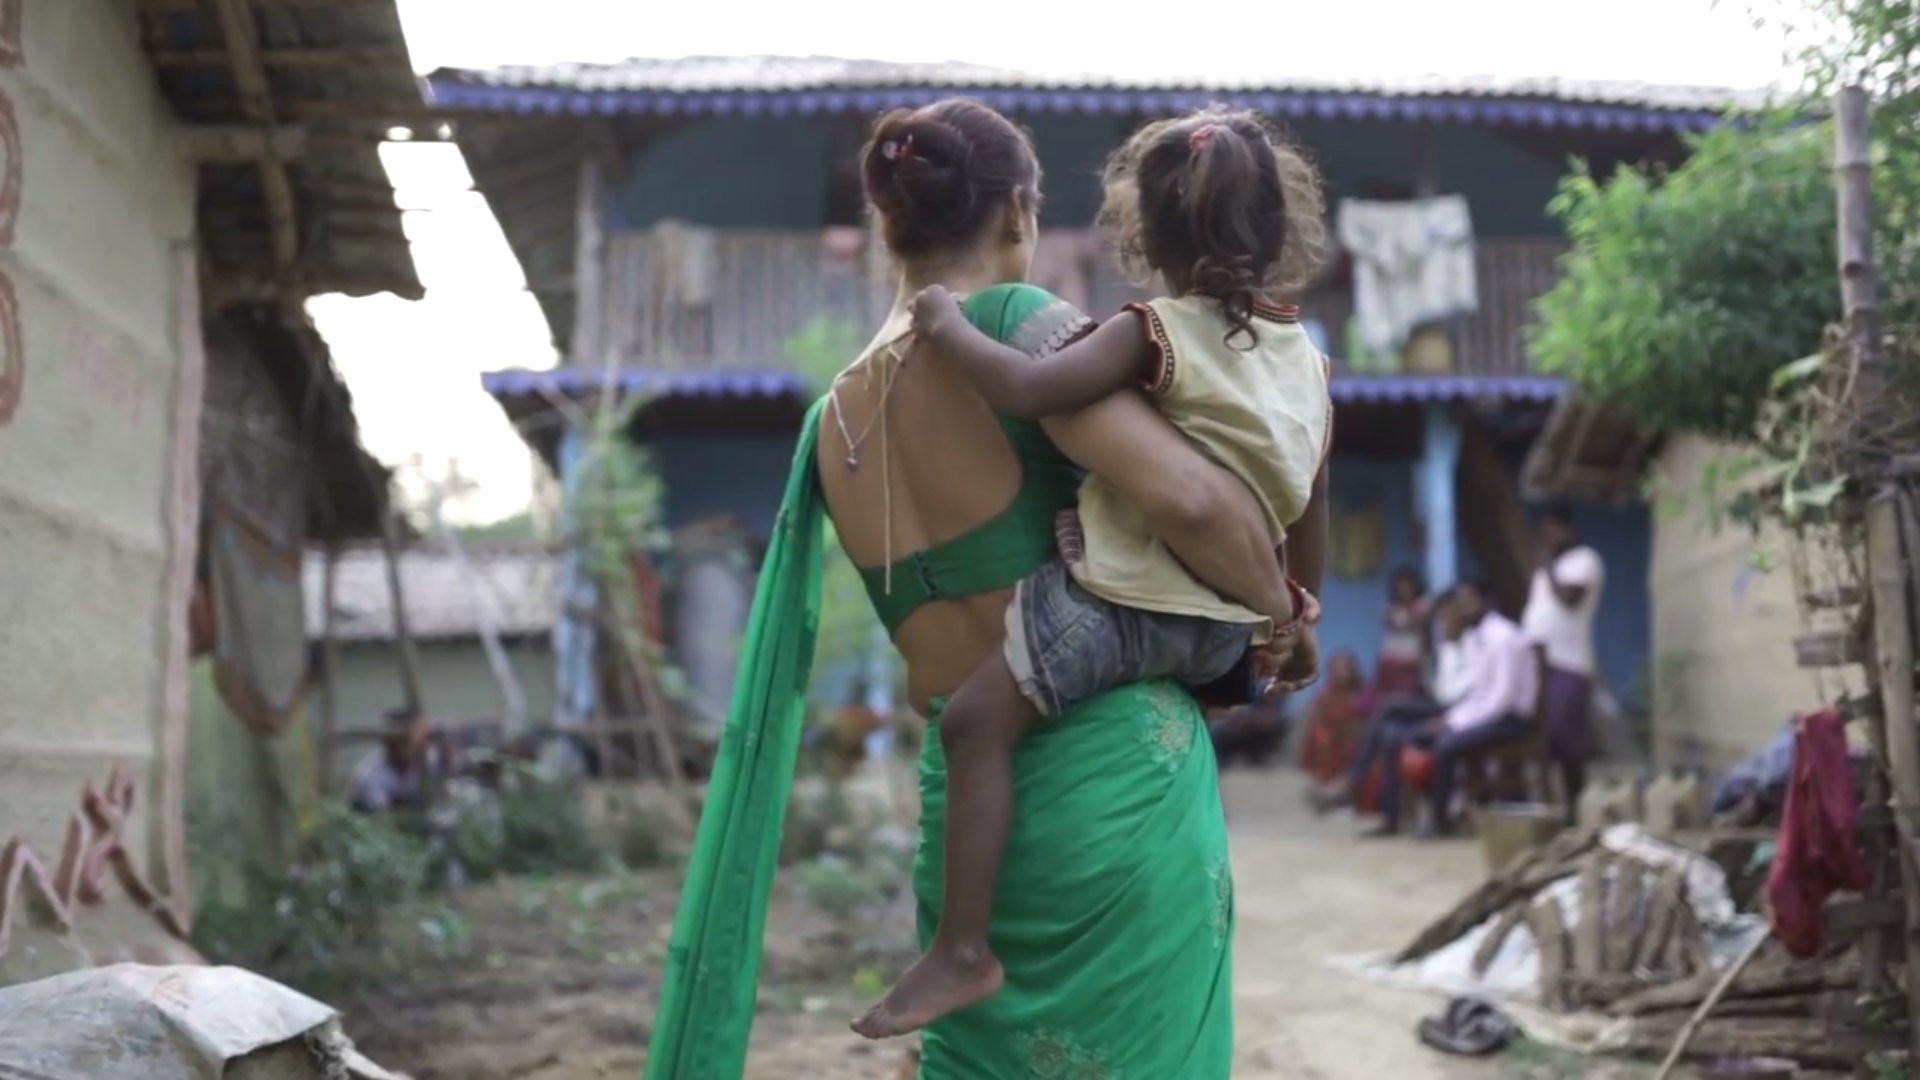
point(99, 398)
point(1724, 676)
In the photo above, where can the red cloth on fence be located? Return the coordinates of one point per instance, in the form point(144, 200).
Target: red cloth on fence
point(1819, 852)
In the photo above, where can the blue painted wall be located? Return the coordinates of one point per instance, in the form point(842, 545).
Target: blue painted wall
point(1624, 539)
point(744, 477)
point(1507, 188)
point(1353, 608)
point(1623, 631)
point(1072, 151)
point(737, 172)
point(739, 476)
point(772, 172)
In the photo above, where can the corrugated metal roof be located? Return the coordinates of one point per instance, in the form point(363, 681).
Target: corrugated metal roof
point(569, 381)
point(776, 84)
point(1411, 389)
point(339, 71)
point(1357, 389)
point(443, 597)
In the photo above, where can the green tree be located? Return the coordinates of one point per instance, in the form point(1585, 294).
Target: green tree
point(1875, 44)
point(1686, 291)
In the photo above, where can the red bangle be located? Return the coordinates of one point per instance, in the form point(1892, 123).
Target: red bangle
point(1298, 594)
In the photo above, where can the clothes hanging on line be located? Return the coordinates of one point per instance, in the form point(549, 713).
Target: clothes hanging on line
point(1412, 265)
point(685, 261)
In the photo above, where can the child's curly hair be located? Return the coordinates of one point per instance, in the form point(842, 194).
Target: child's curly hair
point(1219, 203)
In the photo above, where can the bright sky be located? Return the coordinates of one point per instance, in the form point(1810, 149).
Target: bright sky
point(414, 367)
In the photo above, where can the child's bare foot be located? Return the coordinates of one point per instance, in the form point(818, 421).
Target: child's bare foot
point(938, 983)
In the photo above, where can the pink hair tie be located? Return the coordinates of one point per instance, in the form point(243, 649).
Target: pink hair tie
point(1201, 136)
point(897, 149)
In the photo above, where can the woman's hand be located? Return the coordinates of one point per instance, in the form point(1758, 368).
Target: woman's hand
point(1292, 661)
point(935, 311)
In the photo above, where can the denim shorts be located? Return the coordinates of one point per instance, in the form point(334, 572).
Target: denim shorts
point(1065, 645)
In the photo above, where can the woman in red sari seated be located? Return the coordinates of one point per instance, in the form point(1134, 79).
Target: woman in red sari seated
point(1336, 720)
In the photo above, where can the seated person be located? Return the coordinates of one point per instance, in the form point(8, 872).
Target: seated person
point(399, 775)
point(1403, 711)
point(1336, 720)
point(1403, 648)
point(1501, 685)
point(1450, 669)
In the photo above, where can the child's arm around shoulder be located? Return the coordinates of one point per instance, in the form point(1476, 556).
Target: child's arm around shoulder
point(1113, 357)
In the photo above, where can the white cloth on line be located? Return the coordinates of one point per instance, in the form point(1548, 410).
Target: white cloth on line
point(685, 262)
point(1412, 265)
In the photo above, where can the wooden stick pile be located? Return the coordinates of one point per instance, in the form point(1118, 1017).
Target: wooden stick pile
point(1637, 950)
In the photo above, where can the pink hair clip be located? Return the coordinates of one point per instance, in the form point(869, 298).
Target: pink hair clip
point(1201, 136)
point(897, 149)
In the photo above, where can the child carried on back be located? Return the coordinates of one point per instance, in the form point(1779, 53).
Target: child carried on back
point(1224, 212)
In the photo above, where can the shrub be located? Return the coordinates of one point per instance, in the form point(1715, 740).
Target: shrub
point(322, 921)
point(1686, 291)
point(543, 828)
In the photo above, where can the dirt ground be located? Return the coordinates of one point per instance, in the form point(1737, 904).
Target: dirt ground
point(557, 980)
point(1307, 891)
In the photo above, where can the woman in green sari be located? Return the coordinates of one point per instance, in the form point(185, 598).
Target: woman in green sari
point(1114, 913)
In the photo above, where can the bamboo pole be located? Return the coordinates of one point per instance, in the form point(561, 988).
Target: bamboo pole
point(1893, 663)
point(489, 620)
point(329, 661)
point(1875, 942)
point(402, 633)
point(589, 271)
point(653, 703)
point(1886, 570)
point(1859, 277)
point(1699, 1016)
point(242, 38)
point(590, 262)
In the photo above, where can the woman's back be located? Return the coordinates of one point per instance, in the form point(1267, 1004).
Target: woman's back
point(911, 459)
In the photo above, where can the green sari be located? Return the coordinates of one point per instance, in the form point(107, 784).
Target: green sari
point(1114, 916)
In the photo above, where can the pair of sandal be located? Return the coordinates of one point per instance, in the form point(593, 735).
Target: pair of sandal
point(1469, 1027)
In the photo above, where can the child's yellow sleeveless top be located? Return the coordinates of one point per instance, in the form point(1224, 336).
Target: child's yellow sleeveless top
point(1263, 412)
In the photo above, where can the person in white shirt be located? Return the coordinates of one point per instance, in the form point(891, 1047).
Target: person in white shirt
point(1451, 669)
point(1400, 718)
point(1503, 683)
point(1561, 604)
point(399, 775)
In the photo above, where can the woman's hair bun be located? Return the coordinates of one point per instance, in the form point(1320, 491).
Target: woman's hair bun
point(937, 174)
